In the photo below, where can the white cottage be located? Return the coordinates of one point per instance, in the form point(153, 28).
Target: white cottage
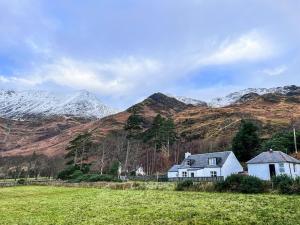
point(215, 164)
point(273, 163)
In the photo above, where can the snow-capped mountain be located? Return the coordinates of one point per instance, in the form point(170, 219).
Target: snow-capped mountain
point(189, 101)
point(21, 104)
point(236, 96)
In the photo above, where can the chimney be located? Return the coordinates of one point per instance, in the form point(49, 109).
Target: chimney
point(187, 154)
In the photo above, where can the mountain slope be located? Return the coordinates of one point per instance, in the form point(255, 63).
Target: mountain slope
point(55, 144)
point(272, 112)
point(31, 104)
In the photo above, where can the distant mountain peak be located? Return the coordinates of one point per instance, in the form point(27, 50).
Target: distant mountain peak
point(241, 96)
point(189, 101)
point(23, 104)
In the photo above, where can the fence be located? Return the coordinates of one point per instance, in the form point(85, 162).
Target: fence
point(161, 178)
point(198, 179)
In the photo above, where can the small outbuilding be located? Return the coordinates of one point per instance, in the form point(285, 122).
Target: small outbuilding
point(273, 163)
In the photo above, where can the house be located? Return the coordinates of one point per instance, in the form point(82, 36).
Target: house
point(273, 163)
point(140, 171)
point(215, 164)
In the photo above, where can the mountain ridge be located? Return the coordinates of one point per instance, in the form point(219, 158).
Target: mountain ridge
point(27, 104)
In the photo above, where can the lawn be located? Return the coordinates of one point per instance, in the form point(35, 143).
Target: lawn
point(66, 205)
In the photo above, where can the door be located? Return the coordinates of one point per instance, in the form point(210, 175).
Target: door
point(192, 175)
point(272, 170)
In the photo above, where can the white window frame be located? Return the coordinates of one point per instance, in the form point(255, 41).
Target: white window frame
point(281, 168)
point(184, 173)
point(213, 173)
point(212, 161)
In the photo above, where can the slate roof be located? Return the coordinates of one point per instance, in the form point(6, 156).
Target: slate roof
point(273, 157)
point(200, 161)
point(174, 168)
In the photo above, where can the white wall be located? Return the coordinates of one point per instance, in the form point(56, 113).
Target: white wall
point(259, 170)
point(172, 174)
point(231, 166)
point(262, 170)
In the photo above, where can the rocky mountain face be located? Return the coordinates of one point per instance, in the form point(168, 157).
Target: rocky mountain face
point(272, 111)
point(22, 105)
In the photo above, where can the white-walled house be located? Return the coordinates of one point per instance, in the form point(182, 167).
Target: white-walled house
point(273, 163)
point(215, 164)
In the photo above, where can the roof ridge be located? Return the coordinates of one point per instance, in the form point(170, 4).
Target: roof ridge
point(209, 153)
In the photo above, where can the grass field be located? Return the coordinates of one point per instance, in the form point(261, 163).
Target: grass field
point(65, 205)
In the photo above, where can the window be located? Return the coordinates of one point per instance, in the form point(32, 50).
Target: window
point(281, 168)
point(189, 162)
point(213, 173)
point(294, 167)
point(212, 161)
point(184, 174)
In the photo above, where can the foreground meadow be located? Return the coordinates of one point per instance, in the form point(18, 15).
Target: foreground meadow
point(66, 205)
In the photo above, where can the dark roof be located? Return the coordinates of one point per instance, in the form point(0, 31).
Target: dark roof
point(273, 157)
point(200, 161)
point(174, 168)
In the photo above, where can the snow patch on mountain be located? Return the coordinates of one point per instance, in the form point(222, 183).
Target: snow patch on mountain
point(236, 96)
point(189, 101)
point(21, 104)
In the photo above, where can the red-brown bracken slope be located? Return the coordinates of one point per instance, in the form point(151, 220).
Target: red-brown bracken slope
point(273, 112)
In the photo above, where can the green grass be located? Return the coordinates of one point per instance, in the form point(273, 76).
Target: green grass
point(62, 205)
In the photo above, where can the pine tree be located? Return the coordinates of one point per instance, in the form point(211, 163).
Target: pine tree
point(78, 149)
point(246, 142)
point(133, 127)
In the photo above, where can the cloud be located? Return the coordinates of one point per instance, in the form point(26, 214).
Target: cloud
point(135, 74)
point(275, 71)
point(252, 46)
point(118, 76)
point(3, 79)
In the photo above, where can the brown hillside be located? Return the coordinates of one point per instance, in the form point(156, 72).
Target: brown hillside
point(272, 112)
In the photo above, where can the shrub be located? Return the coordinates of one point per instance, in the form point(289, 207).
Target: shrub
point(252, 184)
point(183, 185)
point(233, 182)
point(76, 174)
point(66, 173)
point(220, 186)
point(283, 183)
point(241, 183)
point(21, 181)
point(296, 186)
point(98, 177)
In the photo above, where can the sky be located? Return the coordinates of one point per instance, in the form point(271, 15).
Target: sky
point(125, 50)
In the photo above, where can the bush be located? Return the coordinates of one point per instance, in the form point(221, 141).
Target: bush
point(76, 174)
point(66, 173)
point(252, 184)
point(283, 183)
point(233, 182)
point(183, 185)
point(21, 181)
point(296, 186)
point(241, 183)
point(98, 177)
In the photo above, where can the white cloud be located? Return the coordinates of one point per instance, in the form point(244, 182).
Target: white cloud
point(118, 76)
point(3, 79)
point(251, 46)
point(275, 71)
